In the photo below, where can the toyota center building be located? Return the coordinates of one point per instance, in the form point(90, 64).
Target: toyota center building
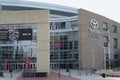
point(54, 36)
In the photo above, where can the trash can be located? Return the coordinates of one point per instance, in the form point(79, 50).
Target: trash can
point(67, 70)
point(103, 75)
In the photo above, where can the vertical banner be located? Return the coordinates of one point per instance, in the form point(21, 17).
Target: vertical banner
point(57, 43)
point(5, 65)
point(27, 60)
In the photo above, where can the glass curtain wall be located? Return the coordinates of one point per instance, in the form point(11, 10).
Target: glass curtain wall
point(66, 56)
point(18, 42)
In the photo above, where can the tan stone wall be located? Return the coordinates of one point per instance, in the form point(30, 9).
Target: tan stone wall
point(41, 18)
point(87, 43)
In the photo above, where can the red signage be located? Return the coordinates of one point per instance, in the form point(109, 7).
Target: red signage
point(27, 61)
point(57, 43)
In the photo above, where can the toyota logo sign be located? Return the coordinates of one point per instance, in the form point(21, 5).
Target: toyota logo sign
point(94, 24)
point(93, 29)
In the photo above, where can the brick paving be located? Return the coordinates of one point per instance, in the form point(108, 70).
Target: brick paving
point(51, 76)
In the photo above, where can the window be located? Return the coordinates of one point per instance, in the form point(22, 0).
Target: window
point(63, 25)
point(52, 26)
point(76, 45)
point(115, 42)
point(107, 56)
point(105, 40)
point(105, 26)
point(114, 29)
point(64, 42)
point(57, 25)
point(116, 56)
point(70, 44)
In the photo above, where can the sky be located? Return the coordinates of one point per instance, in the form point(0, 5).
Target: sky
point(107, 8)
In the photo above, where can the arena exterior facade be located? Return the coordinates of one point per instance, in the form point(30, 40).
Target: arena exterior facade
point(78, 38)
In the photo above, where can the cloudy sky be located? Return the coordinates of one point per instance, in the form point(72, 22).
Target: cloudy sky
point(107, 8)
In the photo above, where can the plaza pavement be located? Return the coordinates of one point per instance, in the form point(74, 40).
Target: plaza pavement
point(7, 75)
point(59, 75)
point(84, 75)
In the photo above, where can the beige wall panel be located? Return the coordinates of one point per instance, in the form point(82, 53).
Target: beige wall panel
point(99, 53)
point(43, 32)
point(87, 57)
point(35, 16)
point(41, 18)
point(86, 61)
point(43, 61)
point(88, 43)
point(43, 45)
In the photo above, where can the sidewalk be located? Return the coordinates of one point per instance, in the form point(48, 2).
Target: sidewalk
point(59, 75)
point(84, 75)
point(51, 76)
point(7, 75)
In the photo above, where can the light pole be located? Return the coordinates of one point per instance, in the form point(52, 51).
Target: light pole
point(93, 58)
point(104, 58)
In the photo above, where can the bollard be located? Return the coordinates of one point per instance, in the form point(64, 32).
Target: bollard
point(69, 73)
point(79, 72)
point(11, 74)
point(67, 70)
point(91, 71)
point(59, 74)
point(86, 72)
point(10, 70)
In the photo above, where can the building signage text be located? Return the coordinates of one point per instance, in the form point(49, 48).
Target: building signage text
point(15, 26)
point(15, 34)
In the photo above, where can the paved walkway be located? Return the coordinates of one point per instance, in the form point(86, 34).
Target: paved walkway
point(86, 75)
point(51, 76)
point(8, 76)
point(62, 75)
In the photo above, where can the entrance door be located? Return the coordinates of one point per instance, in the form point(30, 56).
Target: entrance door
point(16, 55)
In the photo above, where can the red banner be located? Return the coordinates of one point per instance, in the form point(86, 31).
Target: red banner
point(5, 65)
point(57, 43)
point(27, 61)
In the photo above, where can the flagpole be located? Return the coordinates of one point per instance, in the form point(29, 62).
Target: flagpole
point(104, 58)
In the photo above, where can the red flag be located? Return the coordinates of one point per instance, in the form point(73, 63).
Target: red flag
point(27, 64)
point(5, 65)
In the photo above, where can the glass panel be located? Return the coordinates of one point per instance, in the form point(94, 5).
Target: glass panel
point(17, 42)
point(114, 29)
point(115, 42)
point(68, 49)
point(105, 40)
point(105, 26)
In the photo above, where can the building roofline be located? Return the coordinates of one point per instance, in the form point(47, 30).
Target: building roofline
point(38, 5)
